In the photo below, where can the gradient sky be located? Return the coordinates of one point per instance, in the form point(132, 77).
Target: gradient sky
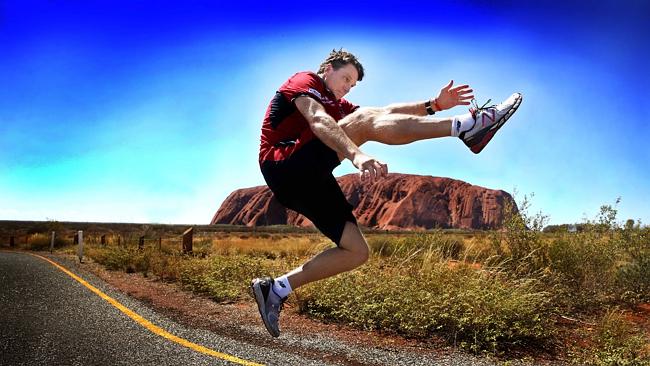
point(150, 111)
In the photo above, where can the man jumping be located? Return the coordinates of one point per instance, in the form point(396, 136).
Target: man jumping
point(309, 129)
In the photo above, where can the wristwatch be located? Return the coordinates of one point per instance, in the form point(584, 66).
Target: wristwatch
point(427, 105)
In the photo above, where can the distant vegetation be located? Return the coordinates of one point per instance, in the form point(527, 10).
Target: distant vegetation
point(520, 290)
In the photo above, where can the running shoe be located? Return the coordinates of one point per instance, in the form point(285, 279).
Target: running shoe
point(268, 303)
point(487, 121)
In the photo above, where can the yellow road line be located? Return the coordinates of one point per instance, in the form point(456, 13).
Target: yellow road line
point(147, 324)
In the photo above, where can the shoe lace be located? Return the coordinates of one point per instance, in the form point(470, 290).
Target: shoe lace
point(484, 106)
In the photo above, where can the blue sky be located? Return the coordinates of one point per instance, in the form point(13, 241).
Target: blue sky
point(150, 111)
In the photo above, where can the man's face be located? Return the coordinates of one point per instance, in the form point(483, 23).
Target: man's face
point(342, 80)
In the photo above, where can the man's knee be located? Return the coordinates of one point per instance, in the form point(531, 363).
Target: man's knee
point(359, 252)
point(360, 125)
point(353, 241)
point(368, 114)
point(363, 255)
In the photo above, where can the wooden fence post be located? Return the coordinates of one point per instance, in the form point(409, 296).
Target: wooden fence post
point(187, 240)
point(141, 243)
point(80, 249)
point(52, 242)
point(12, 241)
point(103, 240)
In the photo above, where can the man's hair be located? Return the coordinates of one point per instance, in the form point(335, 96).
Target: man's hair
point(339, 59)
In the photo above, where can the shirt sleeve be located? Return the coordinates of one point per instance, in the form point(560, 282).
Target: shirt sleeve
point(302, 83)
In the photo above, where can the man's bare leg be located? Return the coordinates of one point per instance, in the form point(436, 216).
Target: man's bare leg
point(377, 124)
point(352, 252)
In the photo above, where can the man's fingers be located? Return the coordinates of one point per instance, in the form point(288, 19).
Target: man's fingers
point(446, 87)
point(366, 173)
point(383, 169)
point(373, 170)
point(460, 87)
point(378, 170)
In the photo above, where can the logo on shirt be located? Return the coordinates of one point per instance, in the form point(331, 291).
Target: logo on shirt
point(315, 92)
point(323, 98)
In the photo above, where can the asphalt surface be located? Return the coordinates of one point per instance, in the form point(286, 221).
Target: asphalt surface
point(48, 318)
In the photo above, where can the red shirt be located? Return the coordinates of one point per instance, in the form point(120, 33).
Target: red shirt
point(285, 129)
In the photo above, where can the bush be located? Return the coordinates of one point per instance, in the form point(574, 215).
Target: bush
point(634, 274)
point(223, 278)
point(479, 310)
point(166, 266)
point(584, 263)
point(603, 263)
point(114, 258)
point(617, 343)
point(520, 246)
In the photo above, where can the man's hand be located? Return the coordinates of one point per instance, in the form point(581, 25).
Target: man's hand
point(369, 168)
point(450, 97)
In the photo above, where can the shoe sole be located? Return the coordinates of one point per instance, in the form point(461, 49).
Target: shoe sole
point(477, 148)
point(259, 299)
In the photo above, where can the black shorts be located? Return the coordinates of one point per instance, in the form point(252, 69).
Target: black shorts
point(304, 183)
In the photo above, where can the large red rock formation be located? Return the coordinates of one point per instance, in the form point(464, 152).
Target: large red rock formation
point(397, 202)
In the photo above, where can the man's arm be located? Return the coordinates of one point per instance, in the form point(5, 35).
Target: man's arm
point(332, 135)
point(448, 98)
point(326, 128)
point(414, 109)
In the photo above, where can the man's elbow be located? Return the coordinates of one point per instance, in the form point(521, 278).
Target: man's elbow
point(320, 124)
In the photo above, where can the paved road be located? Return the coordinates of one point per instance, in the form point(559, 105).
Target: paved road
point(48, 318)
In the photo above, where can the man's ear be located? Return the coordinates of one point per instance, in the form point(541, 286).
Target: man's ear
point(329, 68)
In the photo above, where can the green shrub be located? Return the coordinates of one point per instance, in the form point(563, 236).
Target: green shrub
point(166, 266)
point(603, 263)
point(520, 245)
point(114, 258)
point(223, 278)
point(634, 273)
point(617, 343)
point(478, 310)
point(584, 263)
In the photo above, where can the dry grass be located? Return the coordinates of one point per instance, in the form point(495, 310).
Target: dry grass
point(270, 246)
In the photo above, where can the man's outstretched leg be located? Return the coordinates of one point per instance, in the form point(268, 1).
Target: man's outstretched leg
point(387, 125)
point(271, 293)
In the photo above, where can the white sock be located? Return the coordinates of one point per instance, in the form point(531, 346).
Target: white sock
point(462, 123)
point(281, 286)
